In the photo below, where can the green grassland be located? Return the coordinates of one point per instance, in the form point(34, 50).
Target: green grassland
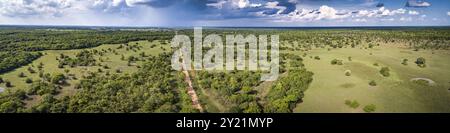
point(110, 59)
point(396, 93)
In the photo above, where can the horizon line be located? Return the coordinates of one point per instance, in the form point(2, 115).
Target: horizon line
point(175, 27)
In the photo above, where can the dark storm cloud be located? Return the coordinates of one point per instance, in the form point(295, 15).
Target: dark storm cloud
point(380, 5)
point(290, 6)
point(417, 3)
point(156, 3)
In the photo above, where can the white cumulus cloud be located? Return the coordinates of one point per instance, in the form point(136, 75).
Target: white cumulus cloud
point(327, 12)
point(405, 19)
point(413, 12)
point(274, 5)
point(23, 8)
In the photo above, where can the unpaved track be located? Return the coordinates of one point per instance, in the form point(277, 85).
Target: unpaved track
point(191, 91)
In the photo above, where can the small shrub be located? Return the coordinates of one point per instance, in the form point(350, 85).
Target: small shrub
point(405, 62)
point(349, 58)
point(348, 73)
point(41, 74)
point(60, 65)
point(66, 70)
point(28, 81)
point(107, 73)
point(336, 62)
point(421, 62)
point(375, 64)
point(385, 71)
point(352, 104)
point(31, 70)
point(317, 57)
point(21, 75)
point(105, 67)
point(8, 84)
point(58, 78)
point(369, 108)
point(373, 83)
point(40, 65)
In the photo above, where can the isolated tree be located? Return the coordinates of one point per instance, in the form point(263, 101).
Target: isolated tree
point(131, 58)
point(107, 73)
point(58, 78)
point(336, 62)
point(8, 84)
point(421, 62)
point(60, 65)
point(369, 108)
point(385, 71)
point(122, 57)
point(21, 75)
point(31, 70)
point(105, 66)
point(373, 83)
point(28, 81)
point(40, 66)
point(66, 70)
point(41, 74)
point(118, 71)
point(405, 62)
point(142, 54)
point(348, 73)
point(352, 104)
point(62, 56)
point(370, 45)
point(317, 57)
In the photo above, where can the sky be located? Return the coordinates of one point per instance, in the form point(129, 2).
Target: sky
point(238, 13)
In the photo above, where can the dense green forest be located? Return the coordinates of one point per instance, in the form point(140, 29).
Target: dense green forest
point(14, 41)
point(154, 88)
point(235, 88)
point(40, 39)
point(13, 59)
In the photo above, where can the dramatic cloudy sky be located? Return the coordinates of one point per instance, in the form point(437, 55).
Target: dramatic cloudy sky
point(226, 12)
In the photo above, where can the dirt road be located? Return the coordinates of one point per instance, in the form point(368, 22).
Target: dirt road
point(194, 98)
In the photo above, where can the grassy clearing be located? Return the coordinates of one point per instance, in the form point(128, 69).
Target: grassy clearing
point(396, 93)
point(110, 59)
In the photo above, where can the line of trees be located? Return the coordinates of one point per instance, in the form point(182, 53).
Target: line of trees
point(13, 59)
point(288, 91)
point(38, 40)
